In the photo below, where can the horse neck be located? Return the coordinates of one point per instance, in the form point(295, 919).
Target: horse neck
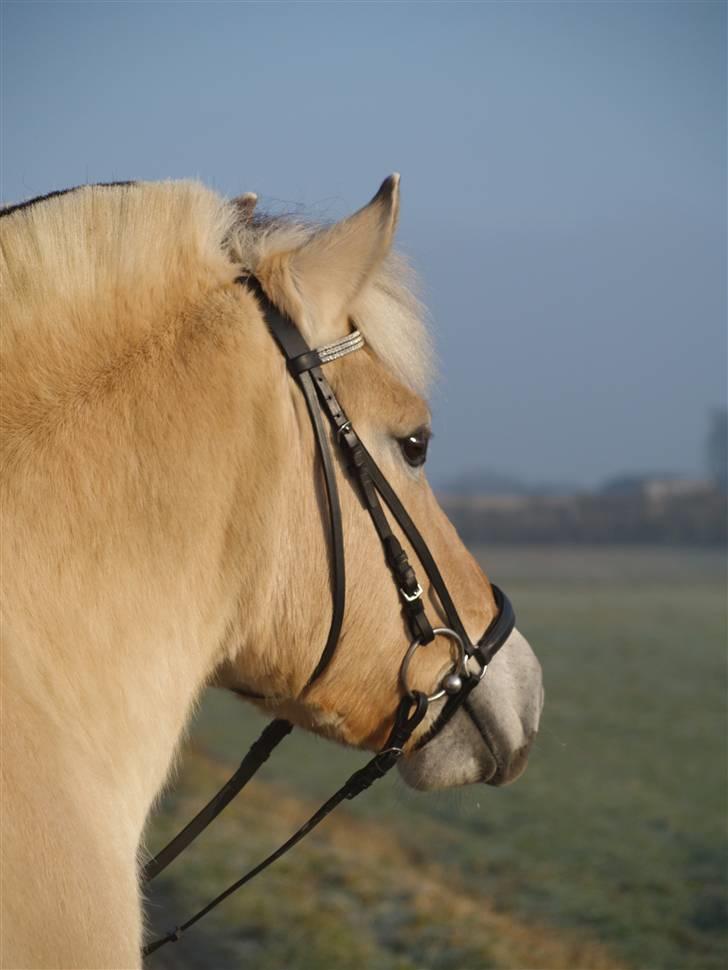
point(135, 535)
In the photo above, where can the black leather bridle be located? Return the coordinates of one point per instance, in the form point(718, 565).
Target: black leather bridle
point(305, 365)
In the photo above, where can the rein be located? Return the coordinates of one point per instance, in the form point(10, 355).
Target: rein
point(304, 365)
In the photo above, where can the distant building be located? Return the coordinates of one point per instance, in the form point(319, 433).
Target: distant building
point(656, 487)
point(661, 489)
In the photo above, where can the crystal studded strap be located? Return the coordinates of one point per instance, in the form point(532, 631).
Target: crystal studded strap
point(310, 359)
point(340, 348)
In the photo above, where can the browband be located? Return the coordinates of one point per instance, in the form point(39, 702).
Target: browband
point(327, 353)
point(340, 348)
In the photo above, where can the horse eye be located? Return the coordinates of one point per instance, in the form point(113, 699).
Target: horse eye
point(414, 447)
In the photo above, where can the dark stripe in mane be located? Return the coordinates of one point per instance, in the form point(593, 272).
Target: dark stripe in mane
point(9, 210)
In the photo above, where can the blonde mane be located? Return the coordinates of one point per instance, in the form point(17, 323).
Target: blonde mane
point(68, 263)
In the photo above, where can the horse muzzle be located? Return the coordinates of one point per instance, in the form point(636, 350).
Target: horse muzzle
point(489, 736)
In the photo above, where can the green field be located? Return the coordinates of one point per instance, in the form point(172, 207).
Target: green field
point(610, 851)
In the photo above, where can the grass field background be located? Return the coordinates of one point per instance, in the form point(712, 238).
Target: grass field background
point(610, 852)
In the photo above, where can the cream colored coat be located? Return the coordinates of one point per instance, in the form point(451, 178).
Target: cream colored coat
point(161, 528)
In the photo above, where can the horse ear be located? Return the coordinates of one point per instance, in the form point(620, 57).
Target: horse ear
point(245, 204)
point(324, 276)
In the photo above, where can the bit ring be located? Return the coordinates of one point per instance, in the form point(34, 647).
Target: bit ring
point(459, 665)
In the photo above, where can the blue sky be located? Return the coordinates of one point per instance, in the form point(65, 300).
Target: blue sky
point(563, 176)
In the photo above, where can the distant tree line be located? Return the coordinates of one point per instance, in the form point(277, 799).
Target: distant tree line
point(716, 448)
point(629, 508)
point(681, 519)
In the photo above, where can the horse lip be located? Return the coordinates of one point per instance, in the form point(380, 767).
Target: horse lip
point(491, 778)
point(515, 767)
point(504, 772)
point(498, 771)
point(498, 778)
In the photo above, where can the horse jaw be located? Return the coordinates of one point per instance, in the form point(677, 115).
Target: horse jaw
point(489, 738)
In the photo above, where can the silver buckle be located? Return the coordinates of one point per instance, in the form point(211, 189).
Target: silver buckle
point(415, 596)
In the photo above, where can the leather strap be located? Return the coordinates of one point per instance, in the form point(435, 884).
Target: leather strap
point(372, 481)
point(409, 714)
point(304, 362)
point(500, 628)
point(295, 348)
point(258, 754)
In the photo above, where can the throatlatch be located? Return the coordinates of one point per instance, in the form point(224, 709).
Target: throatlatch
point(304, 364)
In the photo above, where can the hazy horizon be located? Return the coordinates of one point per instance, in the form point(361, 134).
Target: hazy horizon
point(563, 183)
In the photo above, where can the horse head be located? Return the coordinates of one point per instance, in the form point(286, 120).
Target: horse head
point(330, 281)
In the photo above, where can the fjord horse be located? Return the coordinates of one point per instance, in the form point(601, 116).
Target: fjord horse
point(162, 529)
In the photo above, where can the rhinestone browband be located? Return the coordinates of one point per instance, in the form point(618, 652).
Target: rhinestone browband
point(340, 348)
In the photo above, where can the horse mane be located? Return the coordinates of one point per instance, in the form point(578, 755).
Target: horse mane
point(86, 271)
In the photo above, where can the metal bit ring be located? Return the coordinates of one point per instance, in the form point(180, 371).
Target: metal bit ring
point(459, 667)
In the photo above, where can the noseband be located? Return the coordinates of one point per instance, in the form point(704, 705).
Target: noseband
point(470, 660)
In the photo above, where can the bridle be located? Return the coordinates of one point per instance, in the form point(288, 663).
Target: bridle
point(305, 366)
